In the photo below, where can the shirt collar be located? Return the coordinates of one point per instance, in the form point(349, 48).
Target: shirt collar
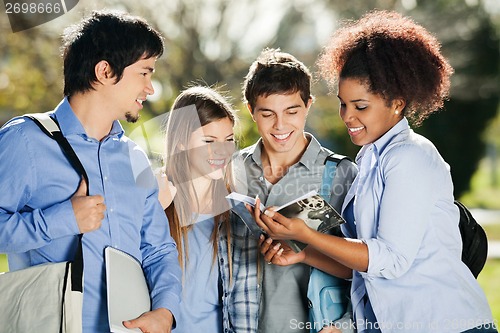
point(257, 151)
point(70, 124)
point(308, 158)
point(380, 144)
point(310, 155)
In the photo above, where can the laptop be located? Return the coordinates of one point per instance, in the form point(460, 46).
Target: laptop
point(127, 290)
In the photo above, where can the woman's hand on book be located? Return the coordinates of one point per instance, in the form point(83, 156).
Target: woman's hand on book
point(278, 226)
point(277, 253)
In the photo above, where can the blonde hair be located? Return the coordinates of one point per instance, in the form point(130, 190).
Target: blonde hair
point(195, 107)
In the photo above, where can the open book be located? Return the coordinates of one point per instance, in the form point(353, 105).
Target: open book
point(128, 294)
point(311, 208)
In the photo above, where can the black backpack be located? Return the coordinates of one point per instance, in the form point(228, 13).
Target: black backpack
point(474, 241)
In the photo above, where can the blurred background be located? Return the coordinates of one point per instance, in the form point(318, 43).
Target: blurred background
point(213, 42)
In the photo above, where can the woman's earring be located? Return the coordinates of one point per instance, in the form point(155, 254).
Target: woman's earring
point(396, 112)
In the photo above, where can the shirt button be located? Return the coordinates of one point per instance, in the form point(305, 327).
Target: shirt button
point(111, 210)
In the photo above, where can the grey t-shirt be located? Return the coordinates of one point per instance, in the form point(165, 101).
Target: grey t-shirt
point(284, 304)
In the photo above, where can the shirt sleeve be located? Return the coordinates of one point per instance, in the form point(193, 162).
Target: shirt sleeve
point(405, 211)
point(160, 256)
point(23, 228)
point(244, 300)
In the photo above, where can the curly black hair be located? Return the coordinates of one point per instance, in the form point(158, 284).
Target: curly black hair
point(395, 57)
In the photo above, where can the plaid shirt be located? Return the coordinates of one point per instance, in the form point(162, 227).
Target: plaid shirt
point(240, 294)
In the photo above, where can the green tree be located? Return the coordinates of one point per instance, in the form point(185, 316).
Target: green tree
point(30, 78)
point(471, 43)
point(215, 42)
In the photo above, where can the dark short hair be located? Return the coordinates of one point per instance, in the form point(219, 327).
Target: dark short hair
point(116, 37)
point(276, 72)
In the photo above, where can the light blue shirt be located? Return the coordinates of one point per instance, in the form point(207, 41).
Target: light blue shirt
point(404, 212)
point(201, 305)
point(37, 223)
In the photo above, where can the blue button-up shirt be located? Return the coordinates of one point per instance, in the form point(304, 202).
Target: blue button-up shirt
point(200, 308)
point(37, 223)
point(403, 210)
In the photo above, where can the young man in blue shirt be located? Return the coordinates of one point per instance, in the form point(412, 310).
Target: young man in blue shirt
point(108, 62)
point(285, 163)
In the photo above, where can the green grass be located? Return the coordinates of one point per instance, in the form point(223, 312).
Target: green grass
point(488, 279)
point(492, 231)
point(483, 194)
point(3, 263)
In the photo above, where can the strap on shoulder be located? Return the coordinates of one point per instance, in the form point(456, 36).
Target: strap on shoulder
point(337, 158)
point(46, 123)
point(331, 162)
point(50, 126)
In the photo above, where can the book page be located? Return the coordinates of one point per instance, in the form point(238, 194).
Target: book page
point(237, 202)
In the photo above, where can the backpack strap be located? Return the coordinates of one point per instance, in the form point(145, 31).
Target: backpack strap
point(51, 128)
point(331, 162)
point(328, 296)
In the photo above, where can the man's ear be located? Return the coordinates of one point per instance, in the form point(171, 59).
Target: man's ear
point(104, 73)
point(309, 103)
point(249, 108)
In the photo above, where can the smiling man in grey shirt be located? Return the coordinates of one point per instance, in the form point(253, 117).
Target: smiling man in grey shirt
point(285, 163)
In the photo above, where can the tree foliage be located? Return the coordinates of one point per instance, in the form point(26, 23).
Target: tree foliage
point(214, 42)
point(472, 44)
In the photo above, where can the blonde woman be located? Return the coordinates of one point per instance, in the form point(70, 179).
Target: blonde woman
point(199, 144)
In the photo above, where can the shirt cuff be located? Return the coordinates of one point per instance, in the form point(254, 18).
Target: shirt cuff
point(371, 271)
point(168, 301)
point(383, 262)
point(60, 220)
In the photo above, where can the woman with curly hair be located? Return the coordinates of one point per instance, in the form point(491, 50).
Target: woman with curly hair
point(404, 244)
